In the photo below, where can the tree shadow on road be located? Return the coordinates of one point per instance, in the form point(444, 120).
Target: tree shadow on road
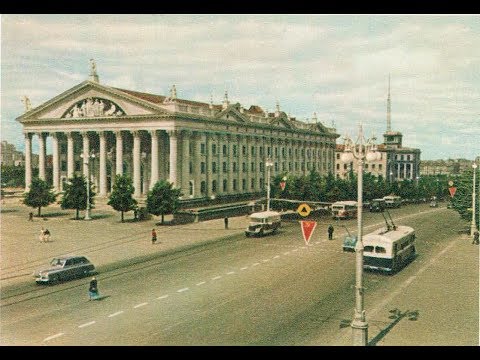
point(396, 316)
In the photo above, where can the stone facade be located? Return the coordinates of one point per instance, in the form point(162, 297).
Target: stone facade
point(204, 149)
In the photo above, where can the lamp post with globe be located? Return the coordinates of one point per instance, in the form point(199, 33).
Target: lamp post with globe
point(268, 164)
point(364, 151)
point(86, 161)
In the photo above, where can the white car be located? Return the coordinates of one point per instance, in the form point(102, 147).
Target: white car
point(64, 268)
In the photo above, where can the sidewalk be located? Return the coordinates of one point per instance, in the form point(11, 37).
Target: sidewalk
point(104, 239)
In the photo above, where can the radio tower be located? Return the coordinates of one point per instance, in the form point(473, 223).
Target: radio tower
point(389, 108)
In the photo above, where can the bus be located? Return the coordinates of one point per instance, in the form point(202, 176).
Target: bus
point(389, 249)
point(377, 205)
point(344, 209)
point(392, 201)
point(263, 223)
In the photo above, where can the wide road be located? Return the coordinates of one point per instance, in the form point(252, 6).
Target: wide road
point(242, 291)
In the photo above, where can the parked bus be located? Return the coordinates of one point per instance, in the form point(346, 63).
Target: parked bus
point(392, 201)
point(377, 205)
point(344, 209)
point(263, 223)
point(389, 249)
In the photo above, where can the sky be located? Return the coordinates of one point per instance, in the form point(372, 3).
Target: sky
point(335, 65)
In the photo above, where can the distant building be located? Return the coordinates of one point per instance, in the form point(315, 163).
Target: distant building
point(10, 156)
point(396, 163)
point(445, 167)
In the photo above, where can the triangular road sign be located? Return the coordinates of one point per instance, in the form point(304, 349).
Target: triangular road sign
point(307, 229)
point(452, 191)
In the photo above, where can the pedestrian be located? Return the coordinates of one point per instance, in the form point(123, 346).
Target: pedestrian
point(330, 232)
point(225, 221)
point(154, 236)
point(475, 237)
point(93, 289)
point(42, 235)
point(46, 235)
point(30, 216)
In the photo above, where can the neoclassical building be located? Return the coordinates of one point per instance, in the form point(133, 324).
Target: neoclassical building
point(205, 149)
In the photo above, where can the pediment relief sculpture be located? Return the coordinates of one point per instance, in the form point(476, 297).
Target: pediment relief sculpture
point(94, 107)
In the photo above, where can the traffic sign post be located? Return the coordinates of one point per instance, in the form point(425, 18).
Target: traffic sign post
point(307, 229)
point(304, 210)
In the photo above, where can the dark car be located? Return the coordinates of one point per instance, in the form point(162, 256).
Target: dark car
point(65, 268)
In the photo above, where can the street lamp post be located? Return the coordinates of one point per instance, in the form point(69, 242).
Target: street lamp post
point(359, 324)
point(473, 227)
point(86, 160)
point(268, 164)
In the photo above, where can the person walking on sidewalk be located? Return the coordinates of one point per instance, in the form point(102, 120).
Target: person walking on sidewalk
point(46, 235)
point(475, 238)
point(30, 216)
point(154, 236)
point(330, 232)
point(225, 221)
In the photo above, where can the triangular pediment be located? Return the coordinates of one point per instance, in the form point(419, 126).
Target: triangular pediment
point(90, 100)
point(281, 121)
point(232, 114)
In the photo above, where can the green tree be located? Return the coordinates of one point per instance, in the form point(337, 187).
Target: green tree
point(40, 195)
point(75, 195)
point(163, 199)
point(462, 200)
point(121, 198)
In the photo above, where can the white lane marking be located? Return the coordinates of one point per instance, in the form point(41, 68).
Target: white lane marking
point(200, 283)
point(216, 277)
point(295, 250)
point(244, 268)
point(86, 324)
point(256, 264)
point(231, 272)
point(266, 260)
point(140, 305)
point(182, 290)
point(53, 336)
point(276, 256)
point(162, 297)
point(303, 247)
point(115, 314)
point(286, 253)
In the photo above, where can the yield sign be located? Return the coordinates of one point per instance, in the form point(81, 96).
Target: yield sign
point(452, 191)
point(307, 229)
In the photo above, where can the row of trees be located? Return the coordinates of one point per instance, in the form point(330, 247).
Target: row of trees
point(161, 200)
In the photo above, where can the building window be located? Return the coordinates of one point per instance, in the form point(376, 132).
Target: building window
point(252, 183)
point(276, 167)
point(283, 166)
point(289, 166)
point(234, 150)
point(244, 167)
point(234, 166)
point(214, 186)
point(244, 150)
point(373, 166)
point(202, 167)
point(296, 153)
point(190, 150)
point(269, 151)
point(252, 150)
point(402, 157)
point(380, 167)
point(234, 183)
point(224, 185)
point(261, 151)
point(214, 167)
point(303, 166)
point(203, 187)
point(303, 153)
point(202, 148)
point(190, 188)
point(290, 152)
point(214, 149)
point(252, 166)
point(338, 156)
point(261, 167)
point(224, 167)
point(244, 184)
point(262, 185)
point(190, 168)
point(338, 166)
point(283, 152)
point(308, 153)
point(408, 157)
point(366, 166)
point(276, 151)
point(296, 166)
point(224, 150)
point(344, 166)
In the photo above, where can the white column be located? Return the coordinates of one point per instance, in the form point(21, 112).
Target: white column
point(196, 165)
point(185, 163)
point(86, 155)
point(173, 157)
point(28, 161)
point(208, 164)
point(154, 157)
point(41, 156)
point(103, 164)
point(70, 156)
point(136, 164)
point(119, 153)
point(55, 160)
